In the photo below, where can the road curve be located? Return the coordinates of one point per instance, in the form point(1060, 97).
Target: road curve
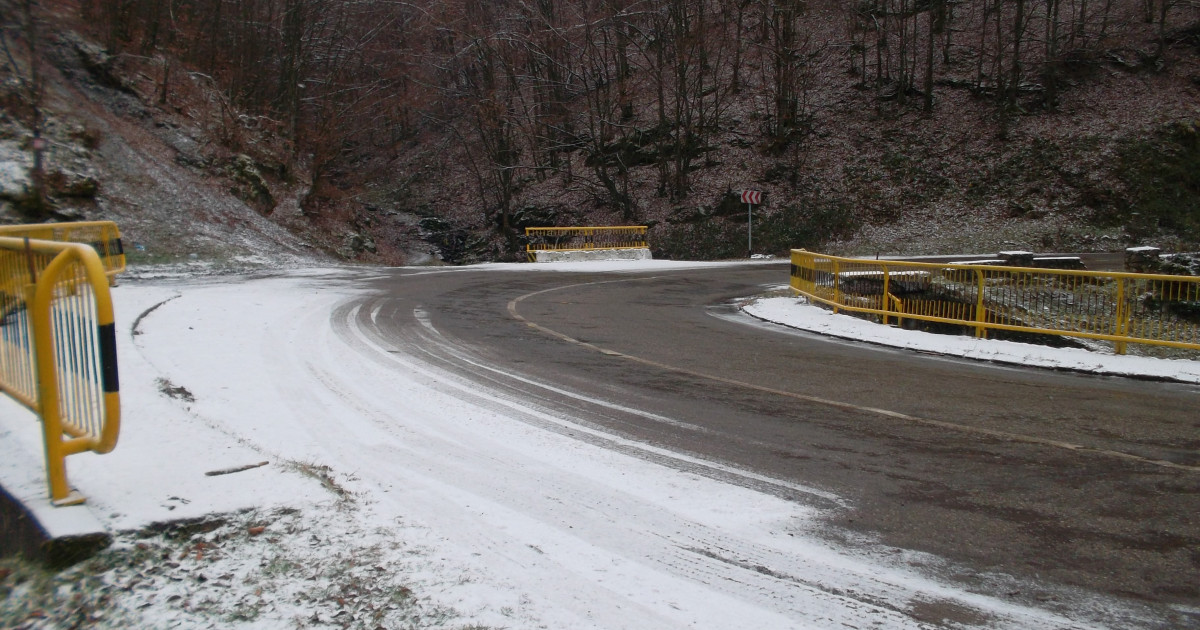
point(1071, 480)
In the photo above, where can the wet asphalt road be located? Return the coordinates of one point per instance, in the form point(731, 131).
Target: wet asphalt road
point(1071, 480)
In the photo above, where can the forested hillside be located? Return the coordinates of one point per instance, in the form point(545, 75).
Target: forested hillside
point(873, 126)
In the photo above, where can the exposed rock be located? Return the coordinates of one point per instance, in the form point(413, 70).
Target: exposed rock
point(1142, 259)
point(69, 183)
point(68, 176)
point(354, 244)
point(688, 214)
point(1152, 260)
point(14, 175)
point(99, 64)
point(250, 185)
point(535, 216)
point(9, 214)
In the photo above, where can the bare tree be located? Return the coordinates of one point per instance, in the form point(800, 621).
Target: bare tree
point(482, 85)
point(686, 64)
point(1051, 68)
point(937, 24)
point(27, 32)
point(608, 111)
point(788, 50)
point(1008, 102)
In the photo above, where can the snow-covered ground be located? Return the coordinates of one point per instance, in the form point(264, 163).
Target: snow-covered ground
point(797, 314)
point(393, 495)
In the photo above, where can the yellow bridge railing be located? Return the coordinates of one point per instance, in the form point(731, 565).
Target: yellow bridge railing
point(102, 236)
point(541, 239)
point(58, 352)
point(1121, 308)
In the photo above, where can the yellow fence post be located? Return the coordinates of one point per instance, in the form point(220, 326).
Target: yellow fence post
point(837, 285)
point(1122, 317)
point(67, 317)
point(980, 308)
point(885, 298)
point(49, 394)
point(52, 431)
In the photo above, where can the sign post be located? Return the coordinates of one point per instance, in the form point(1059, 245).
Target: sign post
point(750, 197)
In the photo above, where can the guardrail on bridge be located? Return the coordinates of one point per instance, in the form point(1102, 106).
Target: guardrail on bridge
point(58, 352)
point(541, 239)
point(102, 236)
point(1150, 309)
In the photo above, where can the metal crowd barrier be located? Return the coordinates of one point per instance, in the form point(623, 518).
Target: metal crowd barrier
point(58, 350)
point(584, 238)
point(1160, 310)
point(102, 236)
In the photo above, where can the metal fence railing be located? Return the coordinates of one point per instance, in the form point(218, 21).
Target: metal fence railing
point(102, 236)
point(1149, 309)
point(541, 239)
point(58, 352)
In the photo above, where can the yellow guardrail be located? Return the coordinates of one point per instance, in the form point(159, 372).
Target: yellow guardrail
point(102, 236)
point(541, 239)
point(58, 352)
point(1121, 308)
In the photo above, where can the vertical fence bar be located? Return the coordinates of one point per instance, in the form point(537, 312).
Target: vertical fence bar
point(837, 284)
point(48, 391)
point(980, 309)
point(887, 293)
point(1121, 318)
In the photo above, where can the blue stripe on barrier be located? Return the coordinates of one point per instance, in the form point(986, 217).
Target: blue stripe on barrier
point(108, 358)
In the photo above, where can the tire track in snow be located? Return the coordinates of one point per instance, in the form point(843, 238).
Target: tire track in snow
point(846, 590)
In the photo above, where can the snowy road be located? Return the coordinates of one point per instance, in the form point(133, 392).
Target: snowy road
point(471, 481)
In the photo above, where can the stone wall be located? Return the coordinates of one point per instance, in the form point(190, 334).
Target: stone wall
point(592, 254)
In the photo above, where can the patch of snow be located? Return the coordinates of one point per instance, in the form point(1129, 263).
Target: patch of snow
point(14, 171)
point(796, 313)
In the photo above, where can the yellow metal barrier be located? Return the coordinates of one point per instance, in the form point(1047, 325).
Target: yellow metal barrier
point(103, 236)
point(58, 352)
point(542, 239)
point(1118, 307)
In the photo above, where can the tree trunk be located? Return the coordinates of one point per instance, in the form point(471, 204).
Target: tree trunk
point(1052, 70)
point(33, 93)
point(1160, 48)
point(948, 27)
point(1018, 34)
point(936, 24)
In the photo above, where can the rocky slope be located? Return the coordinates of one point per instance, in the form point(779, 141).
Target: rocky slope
point(178, 193)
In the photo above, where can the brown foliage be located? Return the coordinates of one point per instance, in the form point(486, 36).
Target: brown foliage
point(634, 107)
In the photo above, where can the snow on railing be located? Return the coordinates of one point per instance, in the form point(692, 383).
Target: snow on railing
point(1150, 309)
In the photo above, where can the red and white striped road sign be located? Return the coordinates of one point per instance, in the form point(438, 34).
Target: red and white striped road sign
point(752, 196)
